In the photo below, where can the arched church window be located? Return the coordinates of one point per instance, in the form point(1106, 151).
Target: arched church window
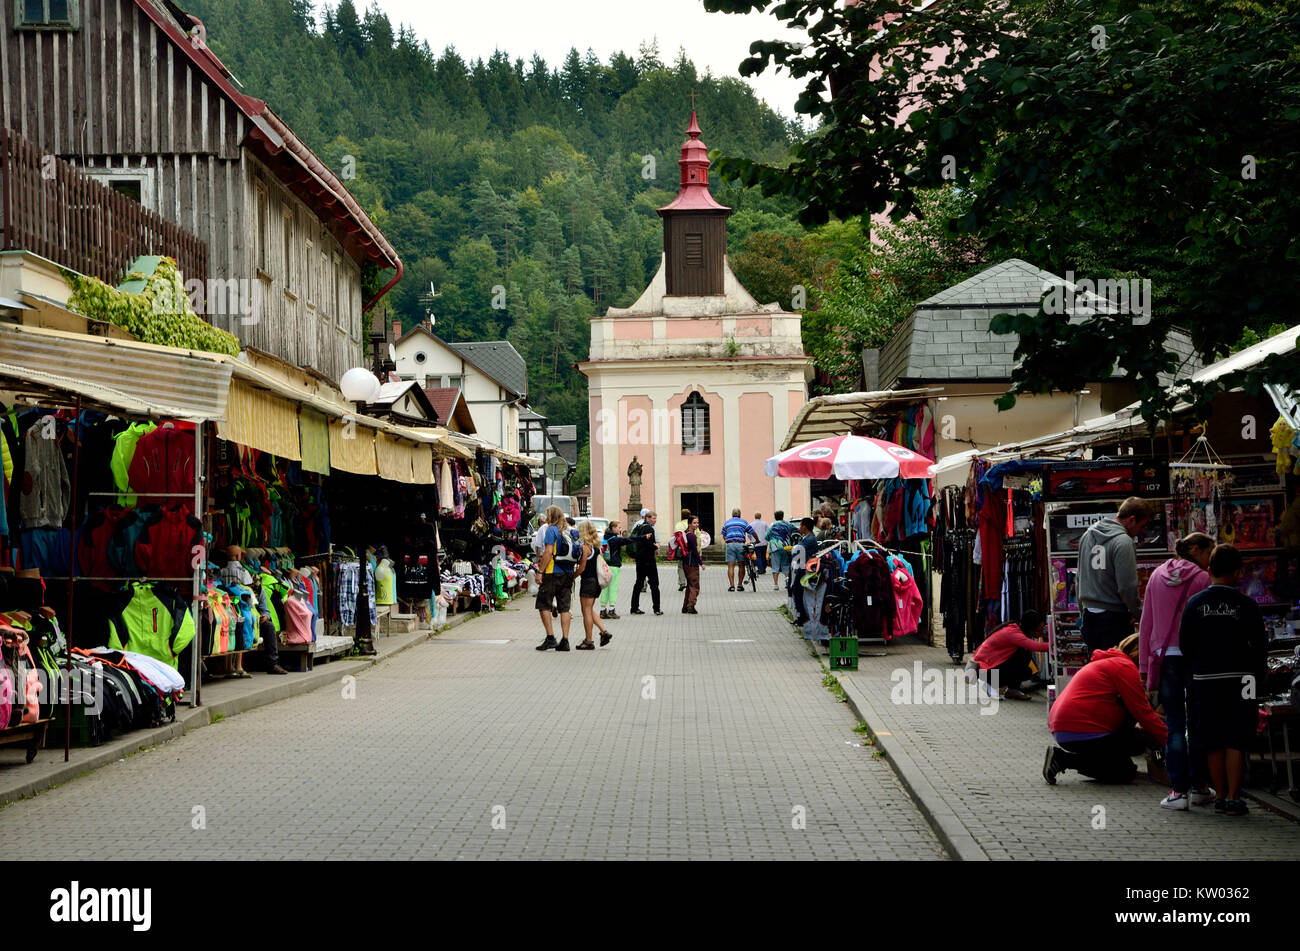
point(695, 425)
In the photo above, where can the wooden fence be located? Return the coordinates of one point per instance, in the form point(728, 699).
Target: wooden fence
point(53, 210)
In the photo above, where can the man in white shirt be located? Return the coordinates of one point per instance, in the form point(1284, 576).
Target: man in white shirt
point(759, 528)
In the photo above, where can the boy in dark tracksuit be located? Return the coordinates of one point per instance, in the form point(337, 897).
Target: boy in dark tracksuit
point(1223, 639)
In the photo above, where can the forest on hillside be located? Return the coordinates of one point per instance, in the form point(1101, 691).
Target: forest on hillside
point(539, 178)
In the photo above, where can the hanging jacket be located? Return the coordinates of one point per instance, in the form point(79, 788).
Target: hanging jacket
point(165, 549)
point(1170, 587)
point(124, 447)
point(872, 602)
point(155, 621)
point(163, 463)
point(121, 546)
point(94, 539)
point(908, 604)
point(47, 489)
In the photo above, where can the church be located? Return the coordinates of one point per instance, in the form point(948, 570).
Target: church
point(696, 381)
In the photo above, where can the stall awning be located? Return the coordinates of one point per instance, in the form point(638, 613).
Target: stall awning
point(854, 413)
point(352, 447)
point(188, 383)
point(402, 461)
point(25, 380)
point(261, 420)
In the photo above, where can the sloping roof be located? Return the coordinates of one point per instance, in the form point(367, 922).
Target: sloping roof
point(1013, 282)
point(295, 164)
point(947, 336)
point(499, 360)
point(565, 433)
point(449, 403)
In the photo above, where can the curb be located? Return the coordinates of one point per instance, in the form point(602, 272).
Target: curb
point(952, 834)
point(190, 719)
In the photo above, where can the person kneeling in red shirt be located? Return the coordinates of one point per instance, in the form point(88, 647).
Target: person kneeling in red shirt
point(1093, 720)
point(1007, 651)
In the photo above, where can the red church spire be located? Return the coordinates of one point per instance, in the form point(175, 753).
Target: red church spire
point(694, 194)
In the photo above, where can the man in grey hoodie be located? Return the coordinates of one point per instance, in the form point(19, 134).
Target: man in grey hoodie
point(1107, 579)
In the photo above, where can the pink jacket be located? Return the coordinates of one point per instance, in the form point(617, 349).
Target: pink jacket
point(908, 602)
point(1169, 589)
point(1004, 642)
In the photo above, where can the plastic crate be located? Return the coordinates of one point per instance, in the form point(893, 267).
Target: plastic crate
point(844, 653)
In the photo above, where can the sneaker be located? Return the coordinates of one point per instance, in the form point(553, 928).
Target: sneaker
point(635, 611)
point(680, 587)
point(1015, 693)
point(605, 638)
point(548, 644)
point(658, 613)
point(692, 611)
point(732, 588)
point(586, 646)
point(1235, 807)
point(1221, 806)
point(1201, 797)
point(563, 645)
point(1180, 802)
point(277, 669)
point(1052, 766)
point(613, 615)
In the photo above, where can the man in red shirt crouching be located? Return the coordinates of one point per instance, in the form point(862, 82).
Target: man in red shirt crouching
point(1093, 720)
point(1007, 651)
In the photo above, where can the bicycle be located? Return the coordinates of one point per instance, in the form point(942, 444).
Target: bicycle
point(751, 567)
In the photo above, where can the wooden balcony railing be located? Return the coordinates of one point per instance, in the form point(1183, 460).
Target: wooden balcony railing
point(51, 209)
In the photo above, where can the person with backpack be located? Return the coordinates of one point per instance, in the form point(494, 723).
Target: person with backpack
point(615, 542)
point(555, 592)
point(589, 586)
point(674, 551)
point(646, 571)
point(1223, 638)
point(694, 564)
point(778, 547)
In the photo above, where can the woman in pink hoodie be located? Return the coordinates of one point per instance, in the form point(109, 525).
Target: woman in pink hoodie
point(1162, 667)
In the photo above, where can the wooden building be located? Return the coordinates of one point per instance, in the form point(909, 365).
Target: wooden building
point(129, 93)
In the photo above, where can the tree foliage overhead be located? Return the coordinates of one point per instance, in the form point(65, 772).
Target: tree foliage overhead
point(1148, 138)
point(503, 181)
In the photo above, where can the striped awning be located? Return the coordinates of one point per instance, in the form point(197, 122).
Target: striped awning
point(189, 383)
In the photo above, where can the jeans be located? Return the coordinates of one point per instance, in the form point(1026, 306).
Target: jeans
point(270, 643)
point(796, 589)
point(609, 597)
point(1184, 752)
point(1104, 630)
point(692, 586)
point(761, 551)
point(681, 573)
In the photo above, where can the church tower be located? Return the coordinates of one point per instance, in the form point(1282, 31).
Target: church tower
point(695, 226)
point(696, 380)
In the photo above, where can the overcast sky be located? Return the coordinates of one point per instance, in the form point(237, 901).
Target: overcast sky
point(714, 41)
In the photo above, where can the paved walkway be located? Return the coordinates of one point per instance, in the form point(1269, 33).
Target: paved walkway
point(979, 776)
point(689, 737)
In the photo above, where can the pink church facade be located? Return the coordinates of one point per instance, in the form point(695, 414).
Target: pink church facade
point(696, 380)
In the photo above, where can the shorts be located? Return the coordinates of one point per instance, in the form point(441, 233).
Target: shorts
point(556, 592)
point(1225, 721)
point(589, 588)
point(780, 561)
point(735, 551)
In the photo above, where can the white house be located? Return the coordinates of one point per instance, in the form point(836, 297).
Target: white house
point(491, 375)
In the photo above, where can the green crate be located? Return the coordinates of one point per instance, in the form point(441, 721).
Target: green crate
point(844, 653)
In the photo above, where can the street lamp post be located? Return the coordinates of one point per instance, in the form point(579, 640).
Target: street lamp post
point(360, 386)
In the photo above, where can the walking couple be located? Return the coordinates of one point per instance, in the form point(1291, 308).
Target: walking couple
point(559, 565)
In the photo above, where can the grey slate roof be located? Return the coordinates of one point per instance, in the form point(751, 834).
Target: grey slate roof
point(499, 360)
point(947, 336)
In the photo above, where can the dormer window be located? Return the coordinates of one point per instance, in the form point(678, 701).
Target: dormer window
point(47, 14)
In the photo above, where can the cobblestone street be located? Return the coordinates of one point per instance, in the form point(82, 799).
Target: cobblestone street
point(731, 745)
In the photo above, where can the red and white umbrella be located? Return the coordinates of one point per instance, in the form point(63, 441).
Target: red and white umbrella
point(847, 458)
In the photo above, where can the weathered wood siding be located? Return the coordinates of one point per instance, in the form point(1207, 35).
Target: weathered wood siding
point(117, 94)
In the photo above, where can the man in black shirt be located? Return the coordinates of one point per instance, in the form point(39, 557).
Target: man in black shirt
point(1222, 636)
point(646, 570)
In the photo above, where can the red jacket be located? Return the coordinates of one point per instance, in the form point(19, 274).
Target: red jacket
point(163, 462)
point(1098, 698)
point(1002, 643)
point(166, 547)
